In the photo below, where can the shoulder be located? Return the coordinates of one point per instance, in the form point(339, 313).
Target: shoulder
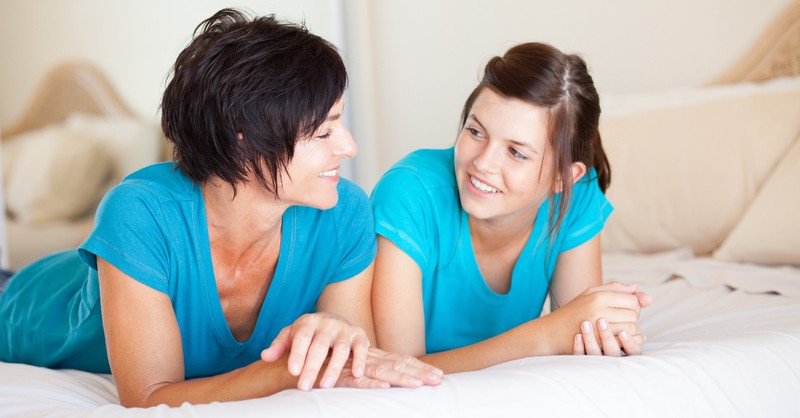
point(153, 184)
point(423, 172)
point(434, 166)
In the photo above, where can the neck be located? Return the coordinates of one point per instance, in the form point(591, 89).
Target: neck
point(489, 235)
point(250, 218)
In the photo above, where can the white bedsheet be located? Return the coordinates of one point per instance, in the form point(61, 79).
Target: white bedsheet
point(715, 348)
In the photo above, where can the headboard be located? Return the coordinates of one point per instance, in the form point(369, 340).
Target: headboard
point(69, 87)
point(775, 54)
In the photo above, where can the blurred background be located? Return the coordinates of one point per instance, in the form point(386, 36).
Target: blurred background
point(411, 62)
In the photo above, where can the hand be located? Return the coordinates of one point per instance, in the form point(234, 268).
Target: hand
point(310, 338)
point(610, 345)
point(385, 370)
point(619, 304)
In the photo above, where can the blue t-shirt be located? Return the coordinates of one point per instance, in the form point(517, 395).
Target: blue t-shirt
point(417, 207)
point(152, 227)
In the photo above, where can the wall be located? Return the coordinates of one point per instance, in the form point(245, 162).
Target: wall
point(426, 56)
point(133, 42)
point(411, 62)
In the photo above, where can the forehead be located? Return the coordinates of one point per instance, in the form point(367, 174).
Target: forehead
point(511, 119)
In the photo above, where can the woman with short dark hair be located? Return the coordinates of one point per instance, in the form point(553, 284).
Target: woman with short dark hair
point(242, 269)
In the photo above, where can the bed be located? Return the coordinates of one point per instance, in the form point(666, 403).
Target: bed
point(706, 189)
point(74, 140)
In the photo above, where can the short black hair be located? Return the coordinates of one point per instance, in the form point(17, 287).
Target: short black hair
point(271, 81)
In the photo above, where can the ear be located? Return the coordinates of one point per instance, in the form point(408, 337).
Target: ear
point(578, 170)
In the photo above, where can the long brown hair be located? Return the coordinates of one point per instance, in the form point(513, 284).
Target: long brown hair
point(543, 76)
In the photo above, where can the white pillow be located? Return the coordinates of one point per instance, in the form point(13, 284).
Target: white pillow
point(132, 143)
point(683, 175)
point(769, 232)
point(53, 174)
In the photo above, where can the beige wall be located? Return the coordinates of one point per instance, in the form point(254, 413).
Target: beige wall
point(133, 42)
point(427, 55)
point(411, 62)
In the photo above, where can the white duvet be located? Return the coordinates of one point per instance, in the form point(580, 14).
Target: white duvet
point(723, 340)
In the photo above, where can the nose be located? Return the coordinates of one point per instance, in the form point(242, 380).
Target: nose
point(346, 146)
point(488, 160)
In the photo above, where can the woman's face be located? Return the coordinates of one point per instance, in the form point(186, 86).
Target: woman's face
point(502, 162)
point(313, 173)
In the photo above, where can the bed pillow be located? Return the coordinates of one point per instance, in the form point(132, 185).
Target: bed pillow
point(53, 174)
point(769, 232)
point(683, 174)
point(132, 143)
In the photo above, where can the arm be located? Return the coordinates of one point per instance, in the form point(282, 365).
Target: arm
point(146, 355)
point(400, 325)
point(352, 299)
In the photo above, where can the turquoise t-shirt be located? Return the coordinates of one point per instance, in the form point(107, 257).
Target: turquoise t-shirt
point(417, 207)
point(152, 227)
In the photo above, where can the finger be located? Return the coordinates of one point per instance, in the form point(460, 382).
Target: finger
point(317, 354)
point(589, 341)
point(299, 343)
point(631, 327)
point(362, 382)
point(417, 369)
point(607, 339)
point(278, 347)
point(360, 350)
point(577, 345)
point(398, 370)
point(339, 356)
point(615, 287)
point(644, 299)
point(631, 347)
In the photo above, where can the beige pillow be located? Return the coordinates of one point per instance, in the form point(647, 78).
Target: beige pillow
point(769, 232)
point(684, 175)
point(53, 174)
point(131, 142)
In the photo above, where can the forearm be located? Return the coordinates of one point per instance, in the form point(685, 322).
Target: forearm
point(533, 338)
point(256, 380)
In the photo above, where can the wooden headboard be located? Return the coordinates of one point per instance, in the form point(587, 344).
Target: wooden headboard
point(775, 54)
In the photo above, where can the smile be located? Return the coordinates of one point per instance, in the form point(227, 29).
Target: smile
point(482, 186)
point(329, 173)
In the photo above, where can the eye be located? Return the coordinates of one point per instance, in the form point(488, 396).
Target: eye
point(474, 132)
point(324, 135)
point(516, 154)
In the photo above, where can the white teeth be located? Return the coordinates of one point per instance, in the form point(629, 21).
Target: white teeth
point(329, 173)
point(482, 186)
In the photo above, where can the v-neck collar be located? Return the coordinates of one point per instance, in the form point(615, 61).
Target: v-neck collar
point(475, 277)
point(208, 279)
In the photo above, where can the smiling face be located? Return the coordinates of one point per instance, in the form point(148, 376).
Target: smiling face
point(313, 172)
point(501, 159)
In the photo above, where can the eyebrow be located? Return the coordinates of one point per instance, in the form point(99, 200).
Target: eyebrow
point(513, 141)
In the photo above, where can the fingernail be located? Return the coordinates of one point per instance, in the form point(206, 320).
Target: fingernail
point(579, 338)
point(586, 327)
point(305, 385)
point(438, 372)
point(624, 335)
point(294, 369)
point(327, 382)
point(435, 377)
point(415, 382)
point(358, 371)
point(602, 324)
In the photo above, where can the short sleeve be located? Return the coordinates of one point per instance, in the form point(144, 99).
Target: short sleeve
point(587, 213)
point(355, 232)
point(129, 235)
point(403, 213)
